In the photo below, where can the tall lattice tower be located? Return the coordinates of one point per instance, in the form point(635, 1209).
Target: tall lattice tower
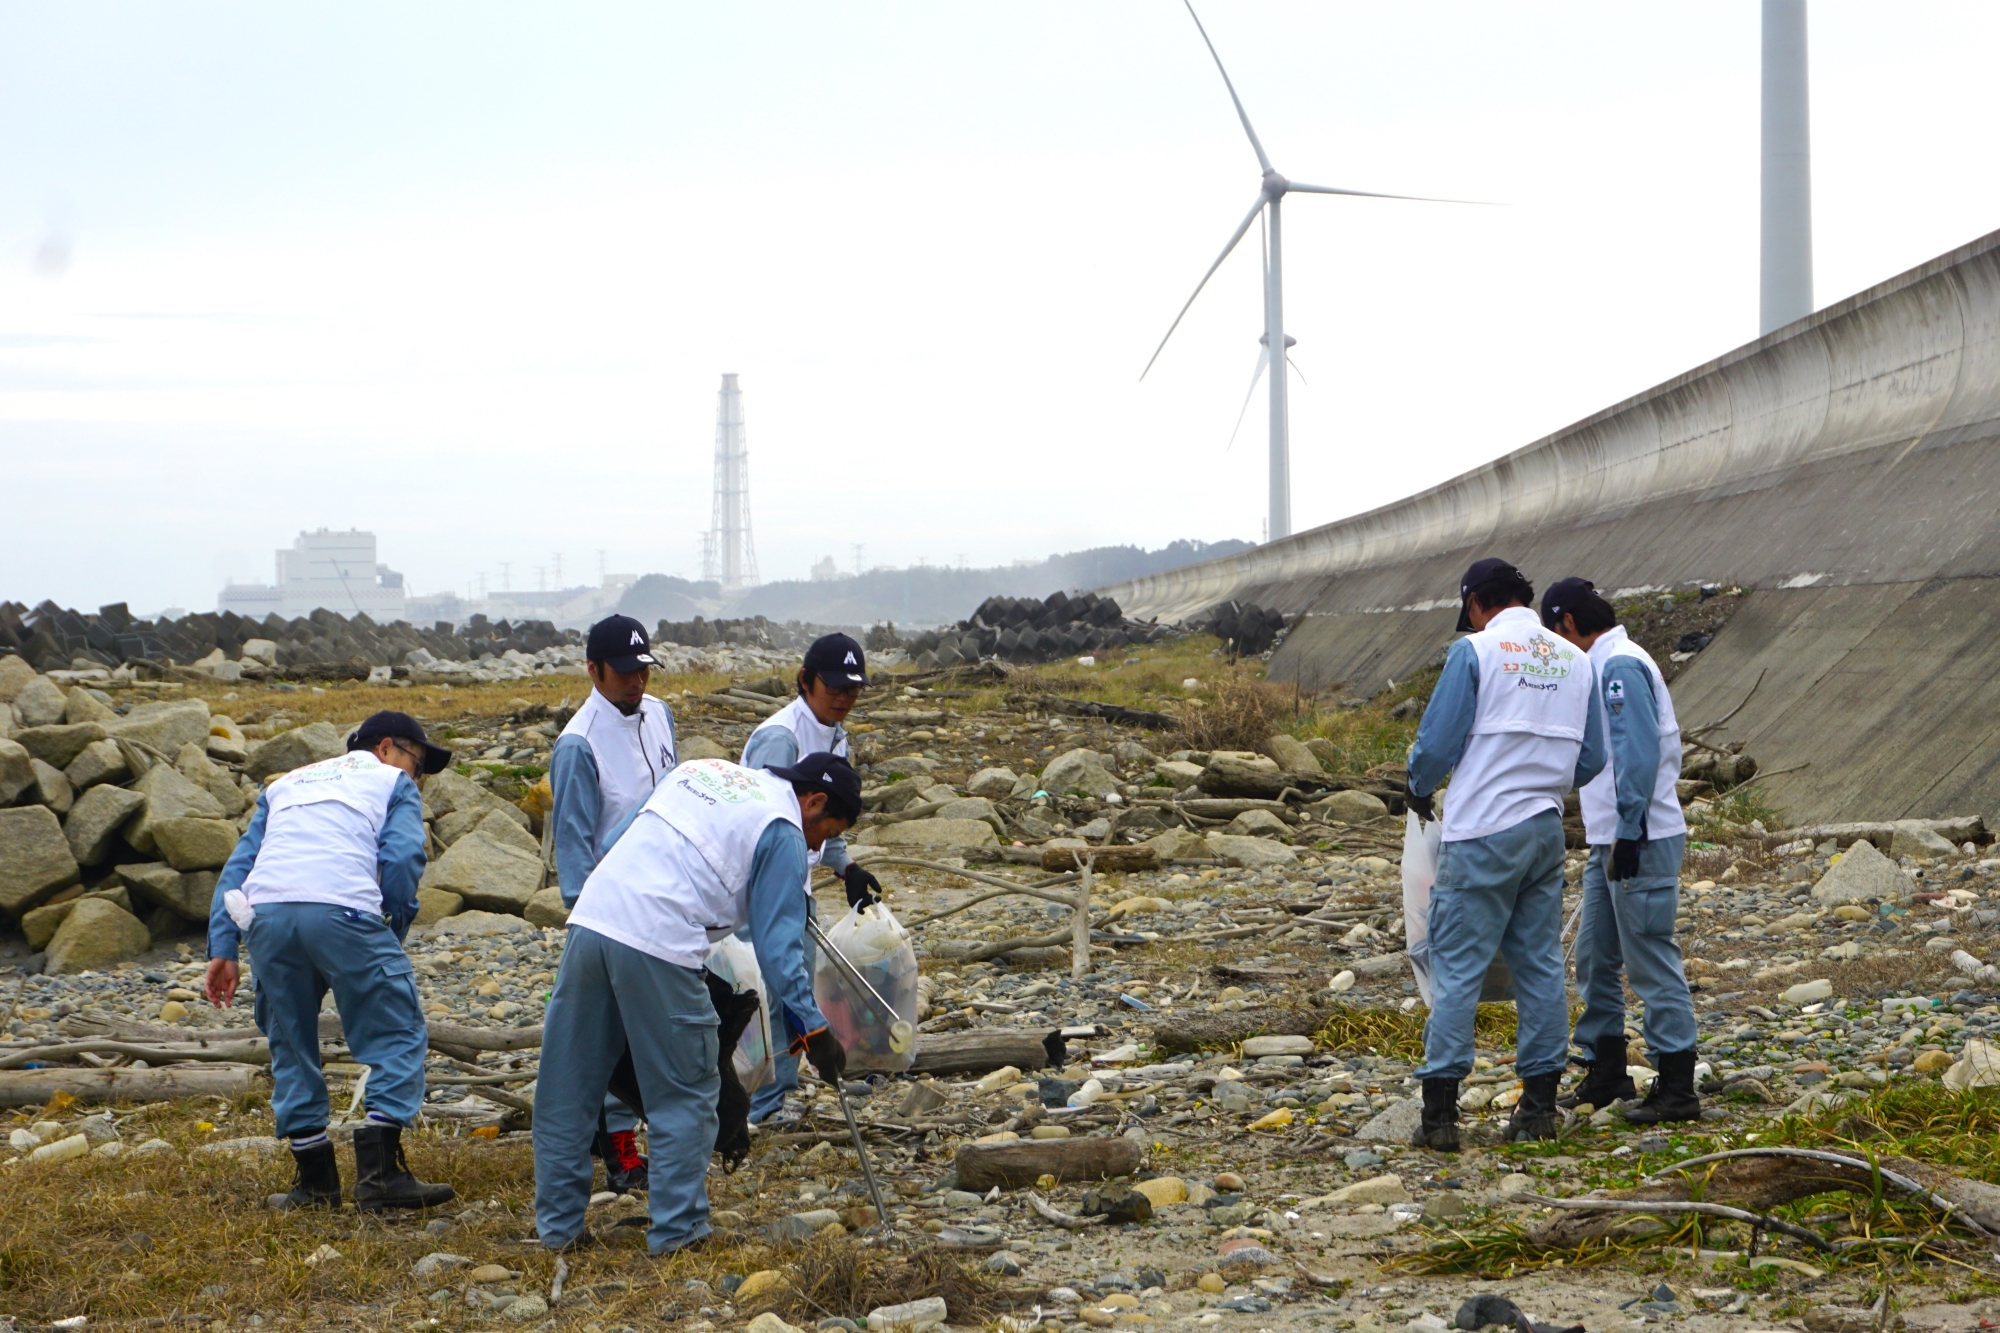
point(729, 556)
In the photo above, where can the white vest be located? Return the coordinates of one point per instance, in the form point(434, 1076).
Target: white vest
point(1534, 700)
point(633, 755)
point(1600, 795)
point(679, 879)
point(322, 827)
point(814, 737)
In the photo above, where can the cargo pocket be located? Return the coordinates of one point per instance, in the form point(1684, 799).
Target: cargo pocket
point(1650, 911)
point(695, 1049)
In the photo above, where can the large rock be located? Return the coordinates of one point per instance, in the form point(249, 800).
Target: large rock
point(1236, 850)
point(96, 934)
point(168, 796)
point(700, 747)
point(930, 835)
point(973, 807)
point(1915, 837)
point(194, 765)
point(434, 905)
point(35, 859)
point(17, 773)
point(1178, 844)
point(95, 819)
point(101, 761)
point(479, 925)
point(499, 825)
point(546, 909)
point(1259, 823)
point(1355, 807)
point(188, 896)
point(291, 749)
point(82, 706)
point(1178, 772)
point(1291, 754)
point(1079, 770)
point(38, 924)
point(992, 782)
point(57, 745)
point(449, 792)
point(1395, 1124)
point(165, 727)
point(40, 703)
point(1861, 874)
point(15, 675)
point(195, 844)
point(490, 875)
point(51, 788)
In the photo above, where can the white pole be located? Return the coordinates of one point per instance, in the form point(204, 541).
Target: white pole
point(1274, 331)
point(1785, 278)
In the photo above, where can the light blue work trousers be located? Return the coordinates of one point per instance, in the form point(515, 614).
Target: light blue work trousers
point(784, 1065)
point(606, 995)
point(1628, 932)
point(300, 951)
point(1502, 891)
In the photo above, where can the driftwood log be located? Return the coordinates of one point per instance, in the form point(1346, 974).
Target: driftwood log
point(979, 1051)
point(33, 1087)
point(981, 1166)
point(1102, 858)
point(249, 1052)
point(1760, 1184)
point(454, 1039)
point(1193, 1031)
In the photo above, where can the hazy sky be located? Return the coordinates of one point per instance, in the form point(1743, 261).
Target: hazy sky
point(467, 275)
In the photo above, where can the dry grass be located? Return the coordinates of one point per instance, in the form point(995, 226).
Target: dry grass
point(833, 1278)
point(1399, 1035)
point(1241, 712)
point(1907, 972)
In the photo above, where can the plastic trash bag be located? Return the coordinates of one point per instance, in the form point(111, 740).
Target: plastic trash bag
point(1423, 842)
point(879, 948)
point(735, 961)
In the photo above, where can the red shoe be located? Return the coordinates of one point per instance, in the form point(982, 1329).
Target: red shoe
point(625, 1168)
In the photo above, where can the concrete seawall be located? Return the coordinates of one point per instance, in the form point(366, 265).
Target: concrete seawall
point(1846, 466)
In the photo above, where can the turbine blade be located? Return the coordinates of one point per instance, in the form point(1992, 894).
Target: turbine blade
point(1249, 218)
point(1263, 359)
point(1295, 369)
point(1370, 194)
point(1242, 115)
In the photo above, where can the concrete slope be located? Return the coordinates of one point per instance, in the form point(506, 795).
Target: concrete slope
point(1846, 466)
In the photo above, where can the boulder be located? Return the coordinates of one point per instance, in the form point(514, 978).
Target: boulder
point(929, 835)
point(35, 859)
point(1239, 851)
point(490, 875)
point(434, 905)
point(188, 896)
point(1291, 754)
point(1354, 807)
point(17, 770)
point(992, 782)
point(51, 788)
point(15, 674)
point(82, 706)
point(449, 792)
point(264, 652)
point(290, 749)
point(1178, 844)
point(500, 826)
point(95, 819)
point(478, 925)
point(195, 844)
point(165, 727)
point(973, 807)
point(38, 924)
point(1915, 837)
point(96, 934)
point(1259, 824)
point(1861, 874)
point(101, 761)
point(59, 743)
point(1178, 772)
point(1079, 770)
point(168, 796)
point(700, 747)
point(546, 909)
point(40, 703)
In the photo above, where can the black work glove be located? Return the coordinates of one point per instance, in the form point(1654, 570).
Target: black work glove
point(863, 889)
point(1625, 858)
point(1423, 806)
point(826, 1055)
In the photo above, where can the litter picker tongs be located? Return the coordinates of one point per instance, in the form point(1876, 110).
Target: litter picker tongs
point(854, 1129)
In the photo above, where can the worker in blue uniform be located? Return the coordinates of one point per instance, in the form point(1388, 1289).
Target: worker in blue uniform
point(829, 682)
point(716, 846)
point(618, 747)
point(1637, 834)
point(323, 885)
point(1513, 720)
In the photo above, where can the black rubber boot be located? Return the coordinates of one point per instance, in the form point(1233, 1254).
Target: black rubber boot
point(382, 1178)
point(1439, 1129)
point(1606, 1080)
point(317, 1182)
point(1672, 1095)
point(1535, 1114)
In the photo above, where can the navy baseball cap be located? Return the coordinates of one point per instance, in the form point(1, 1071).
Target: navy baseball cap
point(1492, 567)
point(1563, 595)
point(831, 774)
point(621, 643)
point(387, 725)
point(837, 660)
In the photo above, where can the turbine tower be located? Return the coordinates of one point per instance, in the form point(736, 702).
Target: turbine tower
point(1785, 273)
point(1270, 198)
point(728, 555)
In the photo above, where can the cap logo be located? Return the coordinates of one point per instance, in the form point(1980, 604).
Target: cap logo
point(849, 661)
point(637, 637)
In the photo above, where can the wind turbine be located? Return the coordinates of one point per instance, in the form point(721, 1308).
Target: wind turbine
point(1270, 197)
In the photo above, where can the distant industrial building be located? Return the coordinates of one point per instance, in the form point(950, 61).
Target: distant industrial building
point(334, 570)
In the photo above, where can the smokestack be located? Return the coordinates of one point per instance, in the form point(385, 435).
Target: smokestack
point(1785, 284)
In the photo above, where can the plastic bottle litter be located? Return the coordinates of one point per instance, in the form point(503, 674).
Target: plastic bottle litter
point(1091, 1090)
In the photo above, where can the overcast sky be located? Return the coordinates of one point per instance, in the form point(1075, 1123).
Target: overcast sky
point(467, 275)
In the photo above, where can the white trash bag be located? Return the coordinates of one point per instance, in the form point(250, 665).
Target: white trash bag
point(1421, 841)
point(879, 948)
point(735, 961)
